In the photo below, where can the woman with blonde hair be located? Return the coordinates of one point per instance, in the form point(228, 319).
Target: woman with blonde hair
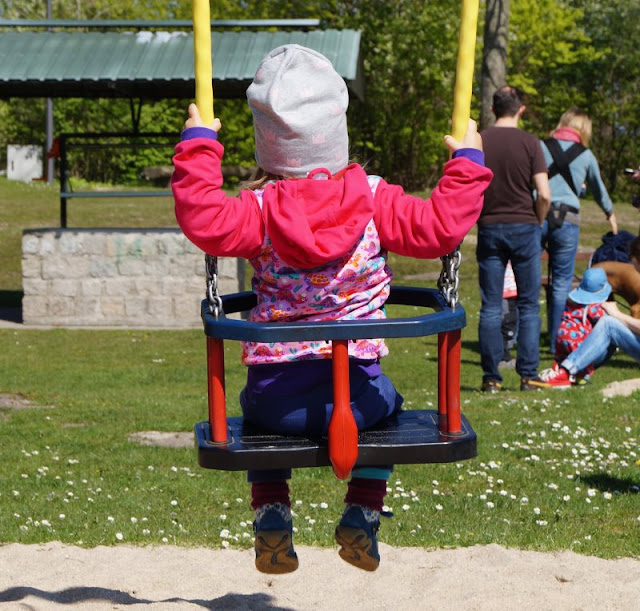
point(571, 166)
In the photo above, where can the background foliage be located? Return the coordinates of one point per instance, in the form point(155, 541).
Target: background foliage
point(562, 52)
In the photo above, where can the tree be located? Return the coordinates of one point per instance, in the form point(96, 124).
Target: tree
point(494, 56)
point(409, 52)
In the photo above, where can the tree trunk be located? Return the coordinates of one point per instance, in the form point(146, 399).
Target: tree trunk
point(494, 56)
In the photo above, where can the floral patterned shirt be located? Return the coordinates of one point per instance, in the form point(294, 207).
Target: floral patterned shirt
point(353, 287)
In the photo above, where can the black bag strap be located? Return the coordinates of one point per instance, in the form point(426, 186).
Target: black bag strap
point(562, 159)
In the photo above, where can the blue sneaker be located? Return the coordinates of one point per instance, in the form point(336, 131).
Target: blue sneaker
point(273, 541)
point(357, 535)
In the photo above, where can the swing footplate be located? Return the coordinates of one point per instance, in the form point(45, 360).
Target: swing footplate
point(412, 436)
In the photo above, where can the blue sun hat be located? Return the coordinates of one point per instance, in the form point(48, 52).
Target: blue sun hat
point(593, 288)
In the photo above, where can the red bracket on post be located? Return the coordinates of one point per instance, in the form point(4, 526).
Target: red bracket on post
point(216, 390)
point(343, 431)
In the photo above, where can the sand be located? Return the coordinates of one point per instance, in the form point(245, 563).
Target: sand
point(56, 576)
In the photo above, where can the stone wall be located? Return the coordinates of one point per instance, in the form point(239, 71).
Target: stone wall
point(145, 278)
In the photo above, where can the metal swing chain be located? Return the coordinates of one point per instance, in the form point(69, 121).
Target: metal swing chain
point(213, 297)
point(449, 277)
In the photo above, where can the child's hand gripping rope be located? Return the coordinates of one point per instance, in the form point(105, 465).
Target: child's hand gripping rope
point(195, 120)
point(471, 140)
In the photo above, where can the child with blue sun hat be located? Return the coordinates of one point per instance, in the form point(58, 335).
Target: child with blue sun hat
point(582, 311)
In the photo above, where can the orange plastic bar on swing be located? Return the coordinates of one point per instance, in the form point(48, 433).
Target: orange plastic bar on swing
point(343, 431)
point(449, 419)
point(454, 423)
point(443, 361)
point(216, 390)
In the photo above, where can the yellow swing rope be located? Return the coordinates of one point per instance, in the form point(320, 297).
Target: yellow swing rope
point(464, 68)
point(202, 59)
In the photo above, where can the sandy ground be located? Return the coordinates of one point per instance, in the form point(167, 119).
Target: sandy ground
point(56, 576)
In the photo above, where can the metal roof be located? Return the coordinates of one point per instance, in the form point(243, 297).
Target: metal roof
point(153, 65)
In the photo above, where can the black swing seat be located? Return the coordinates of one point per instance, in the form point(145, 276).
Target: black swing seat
point(412, 436)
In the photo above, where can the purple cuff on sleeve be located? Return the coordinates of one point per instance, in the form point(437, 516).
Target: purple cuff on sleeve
point(471, 154)
point(198, 132)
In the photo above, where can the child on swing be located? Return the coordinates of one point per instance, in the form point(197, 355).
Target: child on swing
point(316, 231)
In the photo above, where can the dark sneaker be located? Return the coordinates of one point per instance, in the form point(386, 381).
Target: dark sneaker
point(533, 384)
point(273, 539)
point(491, 386)
point(357, 536)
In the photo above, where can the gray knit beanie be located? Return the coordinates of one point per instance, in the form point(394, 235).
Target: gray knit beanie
point(299, 104)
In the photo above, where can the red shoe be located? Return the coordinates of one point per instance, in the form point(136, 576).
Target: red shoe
point(545, 374)
point(560, 378)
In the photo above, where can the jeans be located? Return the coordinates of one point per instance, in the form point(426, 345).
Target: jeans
point(601, 343)
point(372, 401)
point(497, 244)
point(562, 246)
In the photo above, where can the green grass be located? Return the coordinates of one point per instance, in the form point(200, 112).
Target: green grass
point(555, 470)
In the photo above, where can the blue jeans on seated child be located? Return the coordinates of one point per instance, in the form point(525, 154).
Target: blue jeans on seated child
point(601, 343)
point(297, 399)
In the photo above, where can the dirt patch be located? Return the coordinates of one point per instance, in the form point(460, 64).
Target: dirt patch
point(11, 401)
point(163, 439)
point(623, 388)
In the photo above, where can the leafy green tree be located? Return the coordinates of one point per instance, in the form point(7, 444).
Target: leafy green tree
point(561, 52)
point(611, 83)
point(581, 53)
point(409, 54)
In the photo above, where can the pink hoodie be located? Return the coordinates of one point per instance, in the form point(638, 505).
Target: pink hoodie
point(318, 247)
